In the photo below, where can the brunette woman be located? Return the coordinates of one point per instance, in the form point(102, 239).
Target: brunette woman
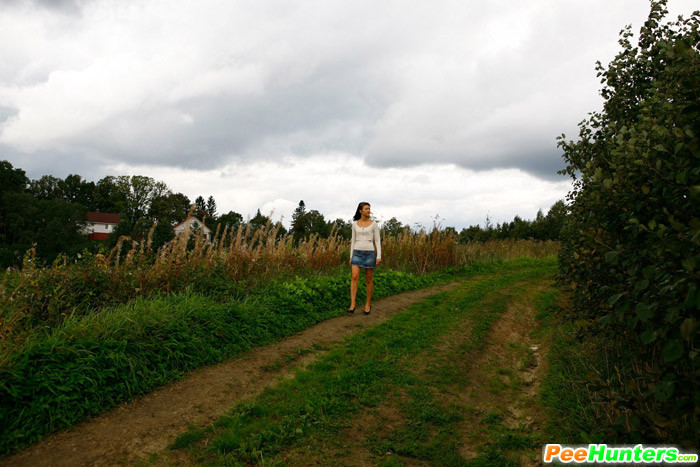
point(365, 253)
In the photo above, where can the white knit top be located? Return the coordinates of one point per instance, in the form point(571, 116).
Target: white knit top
point(366, 238)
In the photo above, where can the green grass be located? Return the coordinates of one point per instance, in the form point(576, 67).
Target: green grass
point(59, 376)
point(572, 415)
point(371, 368)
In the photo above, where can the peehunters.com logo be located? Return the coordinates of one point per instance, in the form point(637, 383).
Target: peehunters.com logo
point(602, 453)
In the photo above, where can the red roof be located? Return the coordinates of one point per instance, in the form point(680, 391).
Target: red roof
point(103, 217)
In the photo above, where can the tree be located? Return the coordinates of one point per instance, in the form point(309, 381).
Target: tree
point(343, 228)
point(47, 187)
point(140, 192)
point(393, 227)
point(200, 209)
point(317, 225)
point(162, 234)
point(232, 219)
point(76, 190)
point(169, 209)
point(259, 221)
point(211, 207)
point(54, 226)
point(109, 196)
point(300, 222)
point(554, 220)
point(11, 179)
point(631, 243)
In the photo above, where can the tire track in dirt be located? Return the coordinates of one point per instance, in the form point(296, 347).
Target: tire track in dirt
point(506, 377)
point(499, 378)
point(147, 425)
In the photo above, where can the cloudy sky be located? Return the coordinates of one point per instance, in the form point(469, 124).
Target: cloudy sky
point(442, 108)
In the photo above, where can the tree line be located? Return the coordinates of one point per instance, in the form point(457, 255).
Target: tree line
point(48, 214)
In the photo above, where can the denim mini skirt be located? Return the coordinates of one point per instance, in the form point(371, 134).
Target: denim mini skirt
point(364, 259)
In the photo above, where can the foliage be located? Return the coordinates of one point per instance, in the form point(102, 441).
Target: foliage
point(631, 250)
point(541, 228)
point(11, 179)
point(169, 209)
point(306, 223)
point(93, 362)
point(48, 227)
point(393, 227)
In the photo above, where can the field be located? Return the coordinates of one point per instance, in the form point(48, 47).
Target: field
point(61, 367)
point(453, 371)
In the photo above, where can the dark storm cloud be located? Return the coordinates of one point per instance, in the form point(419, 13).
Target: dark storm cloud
point(542, 161)
point(328, 111)
point(55, 162)
point(481, 85)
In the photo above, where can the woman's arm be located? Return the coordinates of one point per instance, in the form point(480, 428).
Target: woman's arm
point(352, 238)
point(377, 241)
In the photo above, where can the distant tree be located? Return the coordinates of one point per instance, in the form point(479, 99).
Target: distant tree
point(140, 193)
point(343, 228)
point(232, 219)
point(519, 228)
point(300, 223)
point(258, 221)
point(393, 227)
point(200, 209)
point(169, 209)
point(162, 234)
point(54, 226)
point(59, 229)
point(316, 224)
point(472, 233)
point(211, 207)
point(555, 220)
point(11, 179)
point(47, 187)
point(109, 196)
point(76, 190)
point(12, 182)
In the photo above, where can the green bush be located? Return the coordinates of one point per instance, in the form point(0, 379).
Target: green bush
point(631, 249)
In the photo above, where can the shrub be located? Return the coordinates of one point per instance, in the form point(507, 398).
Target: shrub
point(631, 250)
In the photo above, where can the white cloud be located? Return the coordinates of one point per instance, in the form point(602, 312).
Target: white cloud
point(405, 96)
point(333, 184)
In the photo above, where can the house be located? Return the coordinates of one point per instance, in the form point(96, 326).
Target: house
point(100, 225)
point(192, 224)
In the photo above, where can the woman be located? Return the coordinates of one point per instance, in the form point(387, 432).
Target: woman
point(365, 238)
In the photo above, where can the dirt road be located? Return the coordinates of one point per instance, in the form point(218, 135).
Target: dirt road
point(135, 430)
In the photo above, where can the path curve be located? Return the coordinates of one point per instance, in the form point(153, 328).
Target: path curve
point(148, 424)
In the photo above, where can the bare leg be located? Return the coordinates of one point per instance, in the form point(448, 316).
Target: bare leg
point(370, 286)
point(353, 285)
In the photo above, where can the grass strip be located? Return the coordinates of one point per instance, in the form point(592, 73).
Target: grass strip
point(94, 362)
point(567, 389)
point(317, 403)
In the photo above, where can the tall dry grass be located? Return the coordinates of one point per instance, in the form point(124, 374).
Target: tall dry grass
point(505, 250)
point(230, 265)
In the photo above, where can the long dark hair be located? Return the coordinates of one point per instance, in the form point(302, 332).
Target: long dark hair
point(358, 215)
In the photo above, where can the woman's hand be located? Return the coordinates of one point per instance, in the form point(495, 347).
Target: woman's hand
point(379, 260)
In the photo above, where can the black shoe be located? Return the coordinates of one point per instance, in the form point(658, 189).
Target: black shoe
point(367, 312)
point(351, 310)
